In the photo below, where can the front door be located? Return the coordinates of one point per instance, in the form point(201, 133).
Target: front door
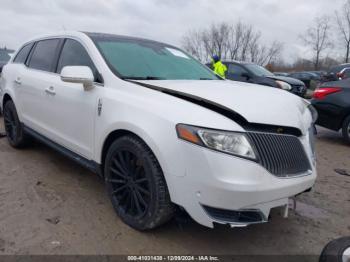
point(72, 109)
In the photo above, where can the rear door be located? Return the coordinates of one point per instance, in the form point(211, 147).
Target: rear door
point(14, 74)
point(36, 80)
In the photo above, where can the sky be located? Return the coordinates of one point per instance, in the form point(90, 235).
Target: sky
point(162, 20)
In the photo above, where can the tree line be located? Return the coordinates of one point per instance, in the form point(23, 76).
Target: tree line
point(242, 42)
point(238, 41)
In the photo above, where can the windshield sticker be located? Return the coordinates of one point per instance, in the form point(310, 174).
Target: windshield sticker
point(177, 53)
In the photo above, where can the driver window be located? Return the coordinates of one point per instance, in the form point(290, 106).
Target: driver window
point(74, 54)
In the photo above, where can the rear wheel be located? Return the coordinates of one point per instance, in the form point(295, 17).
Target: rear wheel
point(346, 129)
point(136, 185)
point(13, 127)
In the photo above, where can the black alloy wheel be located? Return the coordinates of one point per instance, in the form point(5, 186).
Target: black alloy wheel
point(136, 184)
point(130, 185)
point(13, 127)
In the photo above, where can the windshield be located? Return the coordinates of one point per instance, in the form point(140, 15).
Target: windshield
point(147, 60)
point(259, 70)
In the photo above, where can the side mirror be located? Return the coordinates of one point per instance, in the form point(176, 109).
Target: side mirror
point(78, 74)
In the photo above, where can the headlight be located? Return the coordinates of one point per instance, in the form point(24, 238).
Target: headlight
point(284, 85)
point(233, 143)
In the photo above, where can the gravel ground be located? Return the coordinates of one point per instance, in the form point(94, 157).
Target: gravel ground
point(50, 205)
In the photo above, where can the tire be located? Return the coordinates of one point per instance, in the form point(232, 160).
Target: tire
point(13, 127)
point(136, 185)
point(334, 251)
point(346, 129)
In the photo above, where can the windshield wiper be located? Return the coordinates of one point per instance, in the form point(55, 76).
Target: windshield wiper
point(142, 78)
point(203, 78)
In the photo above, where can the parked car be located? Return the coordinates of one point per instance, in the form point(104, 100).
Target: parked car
point(281, 74)
point(333, 72)
point(320, 74)
point(344, 74)
point(332, 102)
point(161, 129)
point(308, 78)
point(252, 73)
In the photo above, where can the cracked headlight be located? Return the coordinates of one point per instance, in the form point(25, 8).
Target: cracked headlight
point(233, 143)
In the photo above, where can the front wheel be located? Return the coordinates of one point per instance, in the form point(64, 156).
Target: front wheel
point(346, 129)
point(336, 251)
point(136, 185)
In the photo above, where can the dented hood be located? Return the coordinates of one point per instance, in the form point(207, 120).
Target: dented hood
point(256, 103)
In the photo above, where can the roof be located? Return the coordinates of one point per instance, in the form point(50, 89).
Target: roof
point(94, 35)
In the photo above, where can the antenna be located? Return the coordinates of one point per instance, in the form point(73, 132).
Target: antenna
point(64, 28)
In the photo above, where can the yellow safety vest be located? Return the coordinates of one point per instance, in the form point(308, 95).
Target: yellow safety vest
point(220, 69)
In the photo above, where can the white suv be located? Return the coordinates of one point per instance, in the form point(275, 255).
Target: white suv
point(160, 128)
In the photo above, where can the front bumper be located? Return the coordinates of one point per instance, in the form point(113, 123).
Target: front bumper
point(224, 182)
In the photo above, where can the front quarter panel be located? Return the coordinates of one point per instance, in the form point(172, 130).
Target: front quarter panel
point(153, 117)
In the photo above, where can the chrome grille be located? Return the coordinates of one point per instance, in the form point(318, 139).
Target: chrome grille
point(281, 155)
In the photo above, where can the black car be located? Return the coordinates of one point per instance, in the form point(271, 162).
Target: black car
point(252, 73)
point(280, 73)
point(310, 79)
point(332, 102)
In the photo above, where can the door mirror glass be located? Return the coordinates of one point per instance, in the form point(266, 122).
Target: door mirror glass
point(78, 74)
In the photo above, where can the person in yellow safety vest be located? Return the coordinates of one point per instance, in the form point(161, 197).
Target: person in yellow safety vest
point(218, 67)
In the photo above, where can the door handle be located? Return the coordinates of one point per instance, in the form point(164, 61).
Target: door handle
point(18, 81)
point(50, 90)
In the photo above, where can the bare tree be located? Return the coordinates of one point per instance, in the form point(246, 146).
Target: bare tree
point(192, 42)
point(236, 42)
point(215, 40)
point(248, 35)
point(343, 22)
point(318, 38)
point(274, 52)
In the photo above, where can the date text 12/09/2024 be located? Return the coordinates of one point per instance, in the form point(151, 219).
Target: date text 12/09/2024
point(172, 258)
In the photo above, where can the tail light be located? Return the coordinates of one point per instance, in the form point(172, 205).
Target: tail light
point(322, 92)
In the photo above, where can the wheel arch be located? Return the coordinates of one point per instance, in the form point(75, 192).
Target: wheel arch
point(111, 137)
point(6, 98)
point(117, 133)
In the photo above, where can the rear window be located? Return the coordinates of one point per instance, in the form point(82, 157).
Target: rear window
point(44, 55)
point(22, 55)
